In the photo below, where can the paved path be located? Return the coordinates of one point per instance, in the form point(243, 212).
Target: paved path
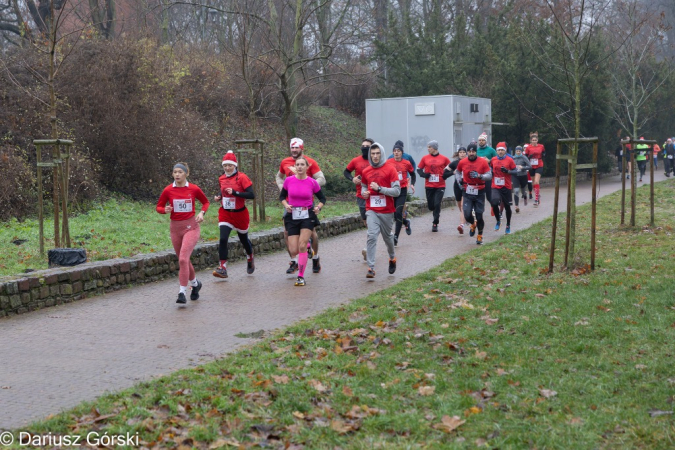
point(57, 357)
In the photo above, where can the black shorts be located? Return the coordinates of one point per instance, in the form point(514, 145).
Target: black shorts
point(475, 203)
point(501, 195)
point(293, 226)
point(539, 170)
point(458, 192)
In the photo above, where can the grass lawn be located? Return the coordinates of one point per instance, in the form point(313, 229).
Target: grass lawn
point(484, 350)
point(119, 228)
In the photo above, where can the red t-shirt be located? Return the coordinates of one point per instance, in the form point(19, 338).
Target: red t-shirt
point(384, 176)
point(238, 182)
point(465, 166)
point(182, 199)
point(501, 180)
point(536, 155)
point(403, 167)
point(434, 165)
point(286, 163)
point(357, 165)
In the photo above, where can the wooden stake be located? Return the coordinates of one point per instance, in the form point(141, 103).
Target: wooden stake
point(555, 209)
point(623, 184)
point(594, 203)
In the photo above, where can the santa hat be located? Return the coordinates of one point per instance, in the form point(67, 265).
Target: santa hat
point(482, 136)
point(230, 158)
point(297, 142)
point(501, 145)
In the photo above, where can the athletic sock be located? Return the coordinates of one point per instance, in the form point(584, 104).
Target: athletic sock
point(316, 256)
point(536, 192)
point(183, 289)
point(223, 263)
point(302, 263)
point(249, 257)
point(194, 283)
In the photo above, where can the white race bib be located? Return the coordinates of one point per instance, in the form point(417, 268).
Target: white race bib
point(182, 206)
point(300, 213)
point(500, 181)
point(534, 162)
point(228, 202)
point(378, 201)
point(400, 176)
point(670, 156)
point(434, 178)
point(471, 190)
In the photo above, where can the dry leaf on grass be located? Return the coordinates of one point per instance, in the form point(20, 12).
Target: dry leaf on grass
point(281, 379)
point(547, 393)
point(426, 390)
point(316, 384)
point(448, 424)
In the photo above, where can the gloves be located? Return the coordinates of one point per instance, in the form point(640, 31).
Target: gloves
point(474, 174)
point(504, 169)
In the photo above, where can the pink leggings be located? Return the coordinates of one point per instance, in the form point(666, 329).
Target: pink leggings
point(184, 237)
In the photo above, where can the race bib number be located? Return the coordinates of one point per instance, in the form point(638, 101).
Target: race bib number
point(182, 206)
point(228, 202)
point(500, 181)
point(534, 162)
point(670, 156)
point(300, 213)
point(434, 178)
point(400, 176)
point(378, 201)
point(472, 190)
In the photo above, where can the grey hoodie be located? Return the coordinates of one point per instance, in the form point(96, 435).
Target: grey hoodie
point(522, 160)
point(395, 189)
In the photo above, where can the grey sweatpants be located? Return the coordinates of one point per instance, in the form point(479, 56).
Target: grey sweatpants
point(379, 224)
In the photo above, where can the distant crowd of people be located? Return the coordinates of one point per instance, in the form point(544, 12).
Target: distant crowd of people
point(642, 155)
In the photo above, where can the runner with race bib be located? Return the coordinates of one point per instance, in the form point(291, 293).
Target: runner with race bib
point(475, 172)
point(433, 168)
point(535, 151)
point(406, 172)
point(502, 169)
point(235, 189)
point(178, 199)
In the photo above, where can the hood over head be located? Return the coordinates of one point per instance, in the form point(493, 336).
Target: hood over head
point(383, 157)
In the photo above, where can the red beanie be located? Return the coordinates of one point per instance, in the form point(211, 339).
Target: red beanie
point(230, 158)
point(501, 145)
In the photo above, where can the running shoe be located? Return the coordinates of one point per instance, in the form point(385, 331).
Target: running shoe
point(530, 195)
point(460, 228)
point(408, 230)
point(292, 267)
point(194, 295)
point(250, 266)
point(517, 209)
point(300, 281)
point(220, 272)
point(181, 299)
point(392, 265)
point(524, 200)
point(364, 252)
point(508, 229)
point(310, 251)
point(627, 177)
point(316, 265)
point(479, 239)
point(536, 203)
point(370, 274)
point(434, 228)
point(498, 225)
point(640, 180)
point(395, 241)
point(472, 230)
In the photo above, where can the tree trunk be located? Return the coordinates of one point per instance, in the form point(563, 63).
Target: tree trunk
point(54, 127)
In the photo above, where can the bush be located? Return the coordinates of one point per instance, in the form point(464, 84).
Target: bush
point(337, 185)
point(19, 183)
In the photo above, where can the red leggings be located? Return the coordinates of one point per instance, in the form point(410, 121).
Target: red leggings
point(184, 237)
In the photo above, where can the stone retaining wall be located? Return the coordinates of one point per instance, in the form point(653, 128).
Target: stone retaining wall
point(20, 294)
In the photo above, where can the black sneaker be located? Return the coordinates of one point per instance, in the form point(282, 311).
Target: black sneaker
point(181, 299)
point(370, 274)
point(434, 228)
point(316, 265)
point(293, 266)
point(250, 266)
point(408, 230)
point(300, 281)
point(395, 241)
point(530, 195)
point(392, 265)
point(194, 295)
point(220, 272)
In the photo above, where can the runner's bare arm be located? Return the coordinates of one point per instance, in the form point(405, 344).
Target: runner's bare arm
point(280, 180)
point(320, 178)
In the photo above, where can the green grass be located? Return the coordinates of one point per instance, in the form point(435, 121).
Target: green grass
point(525, 359)
point(120, 228)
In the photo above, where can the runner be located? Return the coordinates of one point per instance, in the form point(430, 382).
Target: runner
point(502, 169)
point(535, 151)
point(379, 186)
point(475, 172)
point(286, 169)
point(357, 165)
point(457, 185)
point(406, 156)
point(519, 180)
point(486, 152)
point(432, 168)
point(184, 229)
point(669, 157)
point(235, 189)
point(641, 151)
point(297, 195)
point(405, 170)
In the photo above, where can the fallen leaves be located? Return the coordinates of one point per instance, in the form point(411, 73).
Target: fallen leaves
point(547, 393)
point(318, 386)
point(449, 424)
point(426, 390)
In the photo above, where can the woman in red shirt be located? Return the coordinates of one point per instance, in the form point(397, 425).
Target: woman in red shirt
point(235, 189)
point(535, 151)
point(180, 197)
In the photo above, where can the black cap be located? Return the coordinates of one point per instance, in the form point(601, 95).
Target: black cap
point(472, 146)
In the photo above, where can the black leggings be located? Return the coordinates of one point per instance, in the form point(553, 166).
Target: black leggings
point(399, 202)
point(225, 235)
point(434, 200)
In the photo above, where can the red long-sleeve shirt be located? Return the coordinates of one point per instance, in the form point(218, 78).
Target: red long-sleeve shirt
point(182, 199)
